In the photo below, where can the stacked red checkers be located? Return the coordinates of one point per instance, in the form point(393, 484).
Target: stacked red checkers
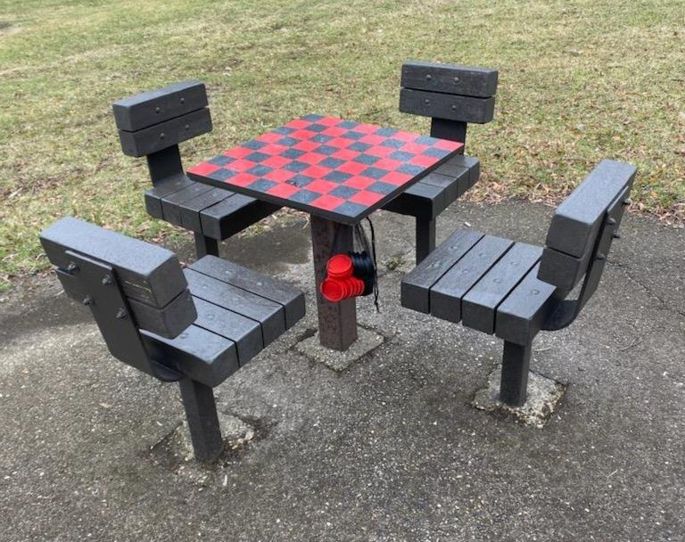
point(340, 282)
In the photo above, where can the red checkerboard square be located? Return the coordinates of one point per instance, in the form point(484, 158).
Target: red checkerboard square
point(335, 168)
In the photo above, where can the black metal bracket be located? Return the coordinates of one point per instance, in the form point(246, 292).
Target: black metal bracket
point(95, 285)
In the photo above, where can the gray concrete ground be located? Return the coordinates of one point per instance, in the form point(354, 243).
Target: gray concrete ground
point(389, 448)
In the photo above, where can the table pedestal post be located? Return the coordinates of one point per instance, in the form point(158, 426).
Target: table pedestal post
point(337, 321)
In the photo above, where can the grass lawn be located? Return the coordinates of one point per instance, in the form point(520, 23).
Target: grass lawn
point(579, 81)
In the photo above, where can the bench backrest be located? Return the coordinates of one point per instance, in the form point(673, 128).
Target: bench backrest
point(452, 95)
point(152, 124)
point(583, 227)
point(128, 284)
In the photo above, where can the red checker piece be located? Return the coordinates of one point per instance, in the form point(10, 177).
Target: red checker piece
point(340, 266)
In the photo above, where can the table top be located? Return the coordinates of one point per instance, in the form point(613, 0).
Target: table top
point(337, 169)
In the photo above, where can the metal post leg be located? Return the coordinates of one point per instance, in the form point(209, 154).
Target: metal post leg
point(337, 321)
point(515, 365)
point(425, 238)
point(203, 421)
point(205, 246)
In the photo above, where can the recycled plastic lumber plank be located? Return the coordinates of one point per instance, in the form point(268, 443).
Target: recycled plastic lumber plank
point(446, 106)
point(149, 108)
point(244, 332)
point(416, 285)
point(173, 203)
point(449, 78)
point(199, 354)
point(446, 294)
point(577, 219)
point(521, 315)
point(479, 305)
point(290, 298)
point(148, 273)
point(269, 314)
point(153, 197)
point(190, 210)
point(168, 133)
point(232, 215)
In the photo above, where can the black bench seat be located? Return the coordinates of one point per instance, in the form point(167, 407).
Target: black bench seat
point(515, 290)
point(196, 325)
point(152, 124)
point(452, 96)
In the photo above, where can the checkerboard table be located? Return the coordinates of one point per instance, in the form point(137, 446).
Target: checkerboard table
point(339, 171)
point(329, 167)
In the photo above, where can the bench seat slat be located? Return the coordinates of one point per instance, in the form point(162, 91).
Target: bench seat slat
point(190, 210)
point(521, 315)
point(416, 285)
point(479, 305)
point(269, 314)
point(173, 204)
point(233, 215)
point(446, 294)
point(153, 197)
point(244, 332)
point(204, 356)
point(290, 298)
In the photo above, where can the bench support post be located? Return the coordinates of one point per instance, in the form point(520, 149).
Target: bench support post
point(449, 129)
point(425, 238)
point(515, 365)
point(337, 321)
point(203, 421)
point(205, 246)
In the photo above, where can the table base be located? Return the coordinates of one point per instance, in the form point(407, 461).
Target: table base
point(337, 321)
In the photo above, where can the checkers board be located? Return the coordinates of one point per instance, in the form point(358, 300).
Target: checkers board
point(337, 169)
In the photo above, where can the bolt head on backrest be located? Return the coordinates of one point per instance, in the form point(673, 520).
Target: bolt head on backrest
point(159, 119)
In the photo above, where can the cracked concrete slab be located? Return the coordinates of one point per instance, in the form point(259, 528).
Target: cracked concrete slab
point(389, 449)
